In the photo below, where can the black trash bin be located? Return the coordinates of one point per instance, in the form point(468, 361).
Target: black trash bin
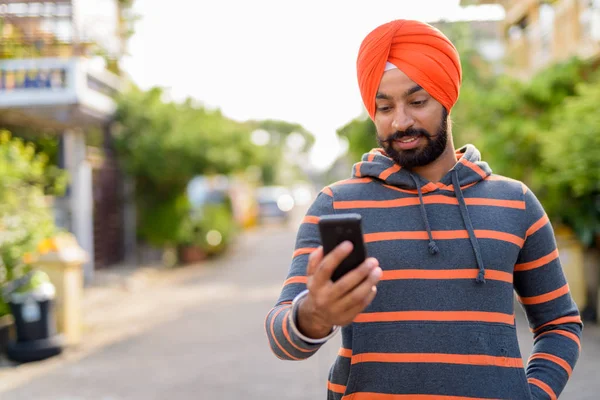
point(35, 323)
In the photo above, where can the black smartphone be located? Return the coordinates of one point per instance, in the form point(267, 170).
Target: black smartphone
point(338, 228)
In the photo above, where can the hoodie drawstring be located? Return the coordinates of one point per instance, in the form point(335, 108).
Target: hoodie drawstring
point(433, 249)
point(467, 221)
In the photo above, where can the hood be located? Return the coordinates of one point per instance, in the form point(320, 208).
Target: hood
point(377, 164)
point(466, 172)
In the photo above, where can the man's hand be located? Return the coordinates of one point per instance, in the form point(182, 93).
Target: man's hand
point(331, 303)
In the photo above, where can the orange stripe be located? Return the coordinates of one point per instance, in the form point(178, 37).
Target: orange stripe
point(342, 205)
point(494, 177)
point(295, 279)
point(478, 316)
point(462, 359)
point(498, 178)
point(345, 352)
point(445, 274)
point(385, 396)
point(336, 388)
point(391, 170)
point(474, 167)
point(551, 357)
point(370, 157)
point(327, 191)
point(450, 188)
point(357, 169)
point(310, 219)
point(352, 181)
point(540, 262)
point(287, 335)
point(397, 189)
point(543, 298)
point(442, 235)
point(570, 335)
point(275, 337)
point(537, 226)
point(430, 187)
point(506, 237)
point(518, 204)
point(303, 250)
point(433, 199)
point(544, 387)
point(563, 320)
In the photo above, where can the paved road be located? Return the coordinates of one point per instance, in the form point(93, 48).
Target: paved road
point(216, 348)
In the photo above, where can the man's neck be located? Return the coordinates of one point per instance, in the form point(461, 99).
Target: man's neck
point(435, 171)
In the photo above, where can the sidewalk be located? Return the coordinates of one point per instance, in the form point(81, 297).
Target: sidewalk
point(121, 302)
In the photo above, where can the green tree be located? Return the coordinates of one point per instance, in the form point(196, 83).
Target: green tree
point(571, 157)
point(271, 157)
point(163, 145)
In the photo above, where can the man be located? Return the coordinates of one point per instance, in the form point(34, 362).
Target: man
point(430, 314)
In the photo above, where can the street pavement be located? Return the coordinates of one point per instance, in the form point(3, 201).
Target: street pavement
point(201, 336)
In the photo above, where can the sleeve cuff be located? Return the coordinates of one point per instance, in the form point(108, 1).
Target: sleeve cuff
point(294, 327)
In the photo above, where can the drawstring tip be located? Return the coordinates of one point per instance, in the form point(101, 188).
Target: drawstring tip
point(433, 249)
point(480, 276)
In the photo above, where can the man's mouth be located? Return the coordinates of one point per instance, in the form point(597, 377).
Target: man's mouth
point(408, 139)
point(407, 142)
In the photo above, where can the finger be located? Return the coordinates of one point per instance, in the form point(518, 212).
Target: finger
point(350, 280)
point(361, 293)
point(313, 261)
point(348, 315)
point(353, 312)
point(331, 261)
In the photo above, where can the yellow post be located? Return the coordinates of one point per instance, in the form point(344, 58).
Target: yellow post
point(63, 262)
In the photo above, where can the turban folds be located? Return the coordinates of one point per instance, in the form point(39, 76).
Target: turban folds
point(419, 50)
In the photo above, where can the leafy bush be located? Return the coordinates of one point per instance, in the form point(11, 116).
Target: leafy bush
point(214, 230)
point(25, 217)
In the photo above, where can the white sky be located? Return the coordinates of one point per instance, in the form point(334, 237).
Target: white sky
point(278, 59)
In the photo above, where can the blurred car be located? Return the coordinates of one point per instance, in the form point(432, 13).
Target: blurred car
point(212, 218)
point(274, 202)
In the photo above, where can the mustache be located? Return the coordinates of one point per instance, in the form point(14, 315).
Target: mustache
point(399, 135)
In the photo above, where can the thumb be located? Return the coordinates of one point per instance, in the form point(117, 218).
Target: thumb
point(313, 261)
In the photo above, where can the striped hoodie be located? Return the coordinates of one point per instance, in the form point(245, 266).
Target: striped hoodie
point(453, 253)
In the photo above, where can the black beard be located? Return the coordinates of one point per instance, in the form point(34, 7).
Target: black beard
point(436, 144)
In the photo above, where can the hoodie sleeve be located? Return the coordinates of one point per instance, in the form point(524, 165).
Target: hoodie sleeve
point(553, 316)
point(284, 343)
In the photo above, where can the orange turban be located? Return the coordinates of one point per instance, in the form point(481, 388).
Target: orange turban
point(419, 50)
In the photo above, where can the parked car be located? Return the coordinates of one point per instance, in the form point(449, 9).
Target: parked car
point(274, 203)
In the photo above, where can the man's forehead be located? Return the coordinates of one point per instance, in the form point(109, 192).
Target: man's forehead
point(394, 82)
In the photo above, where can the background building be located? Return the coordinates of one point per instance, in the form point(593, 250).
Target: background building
point(538, 33)
point(59, 71)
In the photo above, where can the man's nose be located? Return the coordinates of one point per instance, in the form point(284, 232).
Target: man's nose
point(402, 120)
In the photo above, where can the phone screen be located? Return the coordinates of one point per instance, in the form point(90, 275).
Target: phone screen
point(338, 228)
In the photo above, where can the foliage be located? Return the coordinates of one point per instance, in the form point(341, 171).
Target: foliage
point(215, 219)
point(272, 157)
point(25, 217)
point(163, 145)
point(545, 132)
point(45, 143)
point(361, 136)
point(163, 221)
point(571, 154)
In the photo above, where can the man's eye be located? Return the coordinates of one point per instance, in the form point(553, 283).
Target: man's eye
point(418, 103)
point(383, 108)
